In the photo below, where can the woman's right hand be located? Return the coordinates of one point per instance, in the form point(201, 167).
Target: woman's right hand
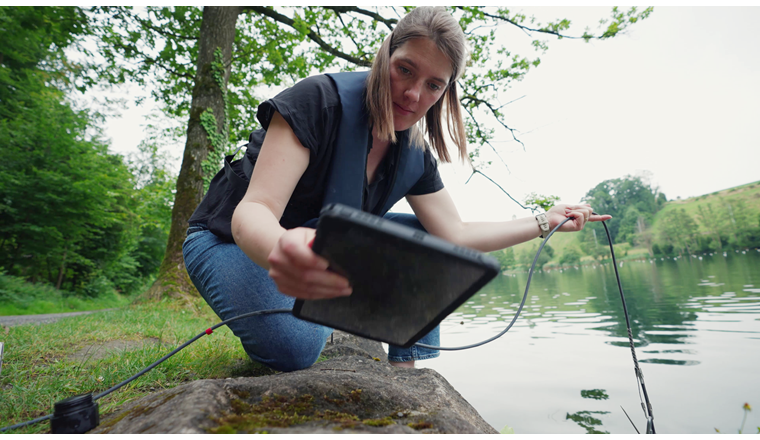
point(301, 273)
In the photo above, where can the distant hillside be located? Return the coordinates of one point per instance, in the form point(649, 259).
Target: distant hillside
point(735, 211)
point(719, 200)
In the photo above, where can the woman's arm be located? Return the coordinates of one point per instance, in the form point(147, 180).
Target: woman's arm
point(256, 222)
point(439, 216)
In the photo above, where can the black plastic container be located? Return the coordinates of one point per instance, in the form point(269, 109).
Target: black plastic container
point(75, 415)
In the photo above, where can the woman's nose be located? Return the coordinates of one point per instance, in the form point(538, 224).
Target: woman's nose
point(413, 93)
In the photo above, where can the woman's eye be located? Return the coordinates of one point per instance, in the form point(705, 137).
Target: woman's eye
point(435, 87)
point(404, 70)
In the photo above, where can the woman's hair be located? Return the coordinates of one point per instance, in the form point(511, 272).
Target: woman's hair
point(442, 29)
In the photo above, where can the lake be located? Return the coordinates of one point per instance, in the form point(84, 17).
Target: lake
point(566, 366)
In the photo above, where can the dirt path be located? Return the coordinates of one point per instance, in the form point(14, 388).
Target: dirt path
point(10, 321)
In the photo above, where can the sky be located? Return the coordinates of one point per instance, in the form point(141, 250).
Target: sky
point(677, 98)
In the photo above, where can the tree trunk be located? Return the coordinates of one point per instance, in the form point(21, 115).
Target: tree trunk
point(217, 31)
point(61, 271)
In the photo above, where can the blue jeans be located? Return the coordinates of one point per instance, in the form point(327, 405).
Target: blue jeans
point(232, 284)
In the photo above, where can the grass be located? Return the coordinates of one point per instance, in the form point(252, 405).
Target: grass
point(38, 368)
point(749, 194)
point(19, 297)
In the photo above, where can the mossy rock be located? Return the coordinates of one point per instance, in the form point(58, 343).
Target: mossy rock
point(344, 394)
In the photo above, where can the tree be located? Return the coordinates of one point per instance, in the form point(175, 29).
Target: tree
point(679, 230)
point(570, 256)
point(179, 50)
point(712, 223)
point(506, 257)
point(66, 206)
point(629, 200)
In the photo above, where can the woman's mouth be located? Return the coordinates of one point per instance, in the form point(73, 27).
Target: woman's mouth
point(402, 110)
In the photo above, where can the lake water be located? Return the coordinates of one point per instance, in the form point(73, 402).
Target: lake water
point(696, 325)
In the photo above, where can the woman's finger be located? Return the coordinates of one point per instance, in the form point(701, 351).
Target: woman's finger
point(299, 253)
point(577, 223)
point(599, 218)
point(308, 290)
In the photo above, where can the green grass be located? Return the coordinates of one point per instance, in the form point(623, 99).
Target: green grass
point(19, 297)
point(749, 193)
point(38, 369)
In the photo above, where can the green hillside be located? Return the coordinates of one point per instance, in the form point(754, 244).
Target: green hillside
point(749, 194)
point(726, 219)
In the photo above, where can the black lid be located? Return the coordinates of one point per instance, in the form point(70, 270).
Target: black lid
point(73, 403)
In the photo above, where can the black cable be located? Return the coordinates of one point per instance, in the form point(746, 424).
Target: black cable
point(176, 350)
point(154, 364)
point(30, 422)
point(637, 370)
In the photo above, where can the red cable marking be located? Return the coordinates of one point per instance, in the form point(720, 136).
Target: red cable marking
point(209, 331)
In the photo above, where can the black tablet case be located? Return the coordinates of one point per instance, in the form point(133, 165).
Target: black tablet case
point(404, 281)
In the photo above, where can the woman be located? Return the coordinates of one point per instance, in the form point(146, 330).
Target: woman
point(306, 156)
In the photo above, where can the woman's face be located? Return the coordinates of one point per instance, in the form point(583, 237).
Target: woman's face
point(419, 75)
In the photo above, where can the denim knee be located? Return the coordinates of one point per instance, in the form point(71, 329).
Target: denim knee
point(232, 284)
point(290, 354)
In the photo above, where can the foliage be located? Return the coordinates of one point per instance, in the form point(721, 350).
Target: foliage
point(546, 203)
point(157, 47)
point(72, 215)
point(570, 256)
point(66, 202)
point(155, 190)
point(727, 220)
point(20, 297)
point(506, 257)
point(527, 254)
point(700, 224)
point(629, 200)
point(69, 212)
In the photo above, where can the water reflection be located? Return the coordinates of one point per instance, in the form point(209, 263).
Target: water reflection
point(584, 419)
point(588, 422)
point(686, 315)
point(664, 300)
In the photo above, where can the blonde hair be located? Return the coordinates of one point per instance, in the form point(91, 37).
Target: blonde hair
point(442, 29)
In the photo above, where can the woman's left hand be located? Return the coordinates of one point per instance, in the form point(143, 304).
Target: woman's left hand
point(580, 214)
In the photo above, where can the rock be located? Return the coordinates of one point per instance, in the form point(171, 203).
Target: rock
point(354, 391)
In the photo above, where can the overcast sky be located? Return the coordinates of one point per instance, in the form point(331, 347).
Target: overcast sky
point(677, 96)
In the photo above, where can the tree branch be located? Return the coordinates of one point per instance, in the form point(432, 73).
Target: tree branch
point(274, 15)
point(350, 35)
point(493, 110)
point(162, 31)
point(474, 171)
point(389, 22)
point(487, 142)
point(526, 28)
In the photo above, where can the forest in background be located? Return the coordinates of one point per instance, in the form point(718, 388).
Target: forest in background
point(72, 215)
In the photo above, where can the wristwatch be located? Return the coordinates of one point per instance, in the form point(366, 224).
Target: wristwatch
point(543, 223)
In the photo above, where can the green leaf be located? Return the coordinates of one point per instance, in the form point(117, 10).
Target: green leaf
point(507, 430)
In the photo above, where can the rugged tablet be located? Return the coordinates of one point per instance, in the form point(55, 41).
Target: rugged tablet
point(404, 281)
